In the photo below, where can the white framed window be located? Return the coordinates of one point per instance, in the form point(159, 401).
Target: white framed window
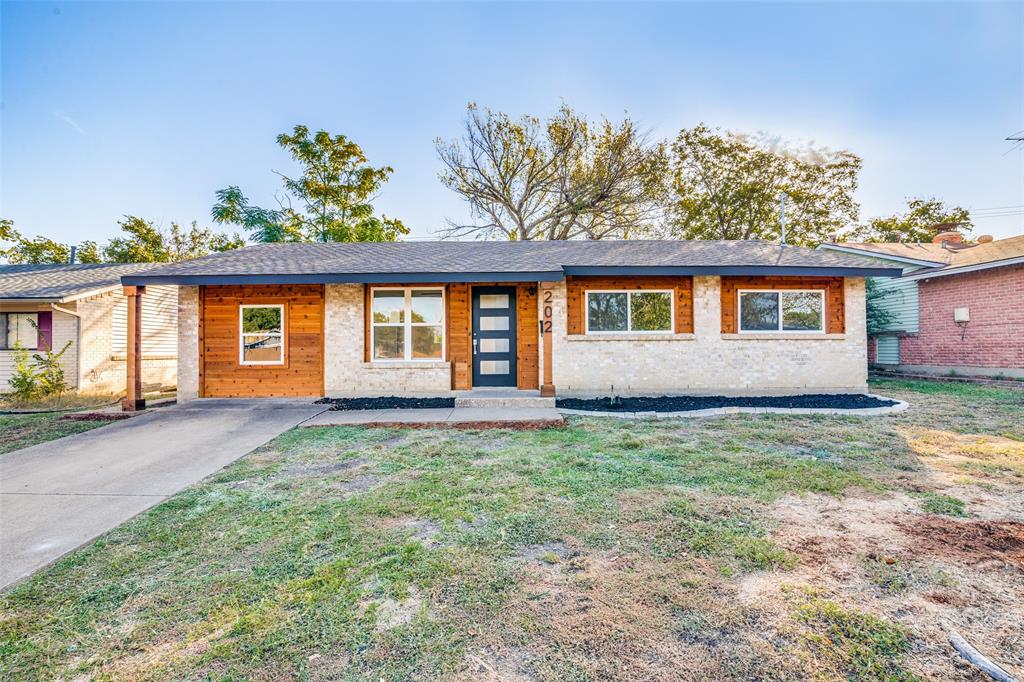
point(644, 311)
point(786, 310)
point(19, 329)
point(261, 334)
point(407, 324)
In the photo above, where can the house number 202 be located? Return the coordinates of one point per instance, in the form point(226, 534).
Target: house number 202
point(545, 323)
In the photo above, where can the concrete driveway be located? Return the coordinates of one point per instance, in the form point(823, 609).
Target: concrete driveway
point(56, 496)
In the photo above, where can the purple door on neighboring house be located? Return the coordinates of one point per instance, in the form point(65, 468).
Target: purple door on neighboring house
point(45, 322)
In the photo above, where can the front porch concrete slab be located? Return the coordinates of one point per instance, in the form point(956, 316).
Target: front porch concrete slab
point(59, 495)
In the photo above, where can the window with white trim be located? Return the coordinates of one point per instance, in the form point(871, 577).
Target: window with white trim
point(261, 330)
point(19, 330)
point(407, 324)
point(787, 310)
point(630, 312)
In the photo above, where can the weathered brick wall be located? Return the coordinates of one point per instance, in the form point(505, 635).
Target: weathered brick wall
point(709, 361)
point(345, 372)
point(188, 343)
point(995, 333)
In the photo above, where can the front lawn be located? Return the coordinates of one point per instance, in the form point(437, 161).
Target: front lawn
point(746, 547)
point(22, 430)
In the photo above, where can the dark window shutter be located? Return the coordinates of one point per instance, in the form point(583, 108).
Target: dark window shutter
point(45, 331)
point(3, 330)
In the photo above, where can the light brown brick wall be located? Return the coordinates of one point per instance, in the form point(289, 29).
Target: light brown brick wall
point(709, 361)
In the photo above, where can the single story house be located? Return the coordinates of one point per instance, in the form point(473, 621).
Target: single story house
point(959, 306)
point(48, 306)
point(579, 317)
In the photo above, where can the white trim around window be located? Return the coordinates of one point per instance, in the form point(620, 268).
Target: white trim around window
point(270, 334)
point(629, 311)
point(779, 329)
point(407, 325)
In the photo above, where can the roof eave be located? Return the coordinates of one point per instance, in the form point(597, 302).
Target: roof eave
point(514, 276)
point(33, 299)
point(963, 269)
point(778, 270)
point(345, 278)
point(885, 256)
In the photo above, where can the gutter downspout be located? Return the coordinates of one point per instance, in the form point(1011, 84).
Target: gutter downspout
point(78, 342)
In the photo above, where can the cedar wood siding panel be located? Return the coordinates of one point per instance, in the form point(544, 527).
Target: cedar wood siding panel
point(222, 374)
point(835, 301)
point(527, 337)
point(576, 288)
point(460, 336)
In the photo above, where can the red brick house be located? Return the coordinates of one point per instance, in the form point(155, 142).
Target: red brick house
point(959, 306)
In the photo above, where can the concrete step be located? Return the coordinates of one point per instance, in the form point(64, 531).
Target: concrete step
point(505, 402)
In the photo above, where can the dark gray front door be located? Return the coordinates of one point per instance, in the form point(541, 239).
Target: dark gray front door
point(494, 336)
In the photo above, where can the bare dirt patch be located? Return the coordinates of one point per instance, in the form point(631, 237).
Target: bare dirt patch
point(356, 485)
point(322, 468)
point(423, 530)
point(392, 613)
point(879, 554)
point(973, 542)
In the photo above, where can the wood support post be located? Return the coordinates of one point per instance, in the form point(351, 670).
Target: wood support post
point(133, 399)
point(547, 297)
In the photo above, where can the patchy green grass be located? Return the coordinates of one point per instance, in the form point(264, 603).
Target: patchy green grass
point(604, 550)
point(22, 430)
point(854, 644)
point(947, 505)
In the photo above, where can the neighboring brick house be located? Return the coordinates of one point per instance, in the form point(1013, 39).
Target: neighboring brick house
point(591, 317)
point(84, 304)
point(959, 306)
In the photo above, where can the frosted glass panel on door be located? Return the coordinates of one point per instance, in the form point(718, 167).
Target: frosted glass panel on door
point(494, 301)
point(493, 324)
point(494, 367)
point(493, 345)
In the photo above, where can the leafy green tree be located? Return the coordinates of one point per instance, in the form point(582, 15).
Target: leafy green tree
point(21, 249)
point(564, 178)
point(144, 242)
point(923, 219)
point(879, 318)
point(331, 200)
point(726, 185)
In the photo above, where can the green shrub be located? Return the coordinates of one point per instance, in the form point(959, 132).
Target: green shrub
point(24, 382)
point(51, 372)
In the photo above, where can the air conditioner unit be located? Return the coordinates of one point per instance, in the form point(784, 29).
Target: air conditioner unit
point(961, 315)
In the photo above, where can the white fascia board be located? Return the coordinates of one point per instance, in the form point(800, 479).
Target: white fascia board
point(883, 256)
point(945, 272)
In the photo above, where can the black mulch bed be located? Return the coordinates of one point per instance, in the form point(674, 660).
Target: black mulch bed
point(666, 403)
point(388, 403)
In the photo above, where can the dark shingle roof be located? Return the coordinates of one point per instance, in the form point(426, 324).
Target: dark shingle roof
point(482, 261)
point(63, 282)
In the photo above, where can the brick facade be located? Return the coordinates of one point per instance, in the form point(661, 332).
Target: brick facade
point(709, 361)
point(995, 334)
point(705, 361)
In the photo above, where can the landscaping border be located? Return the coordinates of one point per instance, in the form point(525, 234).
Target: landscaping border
point(900, 406)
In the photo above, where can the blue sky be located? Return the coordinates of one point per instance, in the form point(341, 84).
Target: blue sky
point(149, 108)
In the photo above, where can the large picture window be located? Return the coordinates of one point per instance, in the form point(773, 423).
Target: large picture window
point(262, 335)
point(637, 312)
point(19, 329)
point(407, 324)
point(782, 311)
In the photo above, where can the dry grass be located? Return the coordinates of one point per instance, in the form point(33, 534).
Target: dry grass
point(748, 547)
